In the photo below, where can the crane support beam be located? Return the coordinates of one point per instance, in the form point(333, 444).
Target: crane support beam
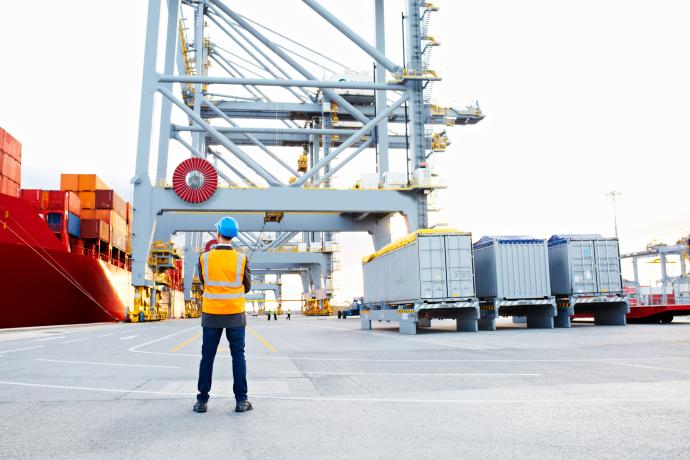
point(352, 35)
point(324, 84)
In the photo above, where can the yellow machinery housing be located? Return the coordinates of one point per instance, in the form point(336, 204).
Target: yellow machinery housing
point(155, 303)
point(317, 307)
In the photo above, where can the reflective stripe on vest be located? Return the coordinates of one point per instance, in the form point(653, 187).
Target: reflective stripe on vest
point(206, 295)
point(223, 274)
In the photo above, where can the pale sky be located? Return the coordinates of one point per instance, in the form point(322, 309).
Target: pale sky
point(581, 98)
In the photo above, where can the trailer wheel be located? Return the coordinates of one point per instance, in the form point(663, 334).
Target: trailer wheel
point(666, 318)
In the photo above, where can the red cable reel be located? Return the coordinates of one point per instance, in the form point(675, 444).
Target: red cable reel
point(195, 180)
point(210, 244)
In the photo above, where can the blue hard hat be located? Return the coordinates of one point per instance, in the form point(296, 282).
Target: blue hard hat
point(227, 227)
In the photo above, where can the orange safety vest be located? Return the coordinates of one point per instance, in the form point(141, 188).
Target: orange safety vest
point(223, 272)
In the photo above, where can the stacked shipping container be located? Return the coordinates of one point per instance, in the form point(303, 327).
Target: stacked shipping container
point(59, 209)
point(104, 213)
point(10, 164)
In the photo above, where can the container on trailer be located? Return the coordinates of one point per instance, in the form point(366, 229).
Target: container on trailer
point(108, 199)
point(91, 182)
point(512, 267)
point(425, 266)
point(584, 264)
point(92, 229)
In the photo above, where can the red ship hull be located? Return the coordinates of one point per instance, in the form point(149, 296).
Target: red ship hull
point(43, 283)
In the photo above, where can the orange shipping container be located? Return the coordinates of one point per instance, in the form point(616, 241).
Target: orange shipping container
point(69, 182)
point(10, 145)
point(11, 168)
point(106, 215)
point(88, 200)
point(91, 182)
point(8, 187)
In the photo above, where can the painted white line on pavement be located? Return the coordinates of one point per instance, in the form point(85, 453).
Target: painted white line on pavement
point(129, 337)
point(416, 374)
point(368, 400)
point(107, 364)
point(21, 349)
point(656, 368)
point(420, 360)
point(107, 335)
point(136, 347)
point(50, 338)
point(74, 341)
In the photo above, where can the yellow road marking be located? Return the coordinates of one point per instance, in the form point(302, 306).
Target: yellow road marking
point(185, 343)
point(261, 339)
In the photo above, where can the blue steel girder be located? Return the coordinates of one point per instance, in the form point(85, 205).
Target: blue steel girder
point(305, 112)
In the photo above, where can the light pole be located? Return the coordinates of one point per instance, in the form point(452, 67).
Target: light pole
point(613, 195)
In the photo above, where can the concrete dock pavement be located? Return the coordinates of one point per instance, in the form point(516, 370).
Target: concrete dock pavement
point(324, 389)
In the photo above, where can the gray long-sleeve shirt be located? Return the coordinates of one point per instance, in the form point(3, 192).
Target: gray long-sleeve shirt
point(223, 321)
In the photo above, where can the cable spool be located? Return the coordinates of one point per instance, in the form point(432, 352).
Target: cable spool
point(195, 180)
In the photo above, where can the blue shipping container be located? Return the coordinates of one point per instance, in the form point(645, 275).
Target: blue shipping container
point(54, 221)
point(73, 225)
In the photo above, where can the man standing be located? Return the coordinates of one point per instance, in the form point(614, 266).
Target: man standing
point(225, 275)
point(288, 313)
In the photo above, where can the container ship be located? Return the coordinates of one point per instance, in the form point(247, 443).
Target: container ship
point(66, 253)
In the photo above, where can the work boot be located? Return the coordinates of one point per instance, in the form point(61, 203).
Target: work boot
point(200, 407)
point(243, 406)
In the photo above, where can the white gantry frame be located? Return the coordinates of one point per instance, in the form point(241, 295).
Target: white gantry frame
point(212, 110)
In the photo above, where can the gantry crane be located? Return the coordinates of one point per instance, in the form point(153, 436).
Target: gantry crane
point(251, 101)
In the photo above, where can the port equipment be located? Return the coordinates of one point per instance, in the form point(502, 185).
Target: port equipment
point(585, 273)
point(156, 303)
point(512, 275)
point(674, 298)
point(353, 309)
point(259, 283)
point(426, 275)
point(251, 102)
point(193, 305)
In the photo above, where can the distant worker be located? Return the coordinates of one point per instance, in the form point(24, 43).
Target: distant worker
point(288, 313)
point(268, 314)
point(275, 316)
point(226, 277)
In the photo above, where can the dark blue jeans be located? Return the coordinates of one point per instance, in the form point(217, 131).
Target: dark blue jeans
point(209, 347)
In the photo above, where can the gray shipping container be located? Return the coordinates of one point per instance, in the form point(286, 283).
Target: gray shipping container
point(584, 264)
point(512, 267)
point(432, 267)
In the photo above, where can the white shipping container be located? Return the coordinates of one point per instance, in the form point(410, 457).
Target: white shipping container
point(512, 267)
point(430, 267)
point(584, 264)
